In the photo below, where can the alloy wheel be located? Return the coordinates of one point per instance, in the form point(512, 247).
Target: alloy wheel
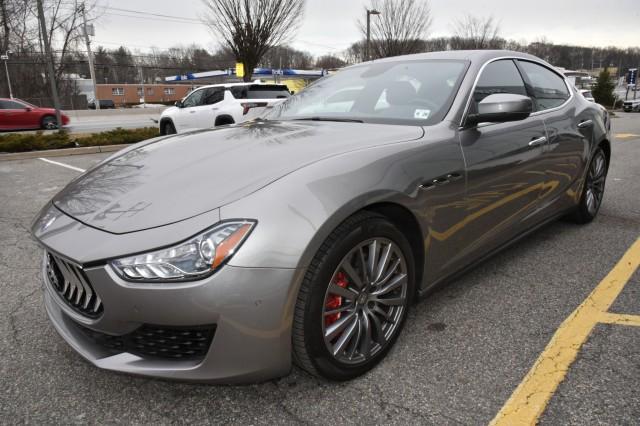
point(595, 182)
point(50, 124)
point(365, 301)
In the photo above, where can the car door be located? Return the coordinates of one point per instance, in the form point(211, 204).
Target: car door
point(14, 115)
point(569, 123)
point(504, 168)
point(185, 117)
point(204, 115)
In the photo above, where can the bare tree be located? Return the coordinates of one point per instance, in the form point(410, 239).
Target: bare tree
point(329, 62)
point(399, 29)
point(474, 32)
point(249, 28)
point(354, 53)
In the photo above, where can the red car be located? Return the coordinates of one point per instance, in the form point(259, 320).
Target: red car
point(16, 114)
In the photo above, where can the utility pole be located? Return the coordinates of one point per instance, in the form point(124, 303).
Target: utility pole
point(367, 56)
point(5, 58)
point(50, 70)
point(92, 71)
point(143, 97)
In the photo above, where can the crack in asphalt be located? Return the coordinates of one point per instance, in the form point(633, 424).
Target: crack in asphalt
point(14, 312)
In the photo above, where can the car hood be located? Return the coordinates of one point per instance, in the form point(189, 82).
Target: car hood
point(181, 176)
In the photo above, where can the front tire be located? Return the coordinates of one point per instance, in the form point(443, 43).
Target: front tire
point(593, 190)
point(49, 122)
point(168, 128)
point(354, 298)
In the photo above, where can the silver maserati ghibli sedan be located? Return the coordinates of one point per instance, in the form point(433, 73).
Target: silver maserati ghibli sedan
point(227, 255)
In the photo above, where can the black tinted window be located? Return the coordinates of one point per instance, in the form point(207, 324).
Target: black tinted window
point(548, 88)
point(262, 91)
point(212, 96)
point(499, 77)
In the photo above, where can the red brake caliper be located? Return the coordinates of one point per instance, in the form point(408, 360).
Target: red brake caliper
point(334, 301)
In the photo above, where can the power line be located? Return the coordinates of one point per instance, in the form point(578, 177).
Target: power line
point(184, 18)
point(177, 21)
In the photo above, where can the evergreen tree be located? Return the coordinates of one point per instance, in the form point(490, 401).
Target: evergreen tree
point(603, 90)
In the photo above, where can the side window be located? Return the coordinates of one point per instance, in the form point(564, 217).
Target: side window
point(498, 77)
point(212, 96)
point(11, 105)
point(194, 99)
point(548, 88)
point(239, 92)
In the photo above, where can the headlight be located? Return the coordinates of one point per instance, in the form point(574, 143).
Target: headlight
point(198, 257)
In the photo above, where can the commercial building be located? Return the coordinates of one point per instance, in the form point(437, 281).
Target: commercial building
point(131, 94)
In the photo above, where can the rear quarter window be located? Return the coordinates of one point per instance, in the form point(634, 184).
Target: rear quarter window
point(262, 91)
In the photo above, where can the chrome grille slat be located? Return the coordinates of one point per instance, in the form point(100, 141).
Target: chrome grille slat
point(73, 286)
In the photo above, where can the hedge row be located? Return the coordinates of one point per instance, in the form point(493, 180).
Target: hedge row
point(22, 142)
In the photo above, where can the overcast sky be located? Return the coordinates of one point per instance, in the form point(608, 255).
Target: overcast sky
point(329, 26)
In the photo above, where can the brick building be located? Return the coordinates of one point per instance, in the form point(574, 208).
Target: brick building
point(130, 94)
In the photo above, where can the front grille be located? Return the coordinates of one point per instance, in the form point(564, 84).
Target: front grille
point(71, 283)
point(155, 341)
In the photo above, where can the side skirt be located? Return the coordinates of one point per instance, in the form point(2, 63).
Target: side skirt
point(453, 276)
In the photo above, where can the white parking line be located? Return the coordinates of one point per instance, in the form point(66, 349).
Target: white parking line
point(77, 169)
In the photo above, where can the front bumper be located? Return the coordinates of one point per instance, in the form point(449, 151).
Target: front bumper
point(250, 308)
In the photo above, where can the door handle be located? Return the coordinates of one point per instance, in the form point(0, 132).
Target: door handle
point(585, 123)
point(192, 112)
point(538, 141)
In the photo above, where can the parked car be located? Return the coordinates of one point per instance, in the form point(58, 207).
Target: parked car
point(221, 104)
point(587, 95)
point(631, 105)
point(104, 104)
point(223, 255)
point(16, 114)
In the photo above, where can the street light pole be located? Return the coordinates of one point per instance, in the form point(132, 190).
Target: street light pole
point(92, 70)
point(367, 46)
point(5, 58)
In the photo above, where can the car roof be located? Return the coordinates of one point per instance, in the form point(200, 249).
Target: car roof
point(461, 55)
point(227, 85)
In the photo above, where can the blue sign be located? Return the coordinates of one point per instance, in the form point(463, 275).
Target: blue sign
point(632, 75)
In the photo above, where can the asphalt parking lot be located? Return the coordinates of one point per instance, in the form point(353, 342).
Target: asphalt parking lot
point(463, 352)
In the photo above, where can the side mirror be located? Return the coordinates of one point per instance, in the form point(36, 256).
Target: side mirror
point(178, 104)
point(500, 108)
point(28, 109)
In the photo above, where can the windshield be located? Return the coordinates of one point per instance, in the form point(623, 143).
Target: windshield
point(399, 92)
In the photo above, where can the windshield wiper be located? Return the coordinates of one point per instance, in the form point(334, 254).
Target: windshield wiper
point(342, 120)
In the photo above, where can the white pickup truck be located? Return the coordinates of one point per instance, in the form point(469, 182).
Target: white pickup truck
point(220, 104)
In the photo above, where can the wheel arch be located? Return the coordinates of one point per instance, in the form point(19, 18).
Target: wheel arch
point(224, 119)
point(401, 217)
point(606, 147)
point(163, 123)
point(393, 210)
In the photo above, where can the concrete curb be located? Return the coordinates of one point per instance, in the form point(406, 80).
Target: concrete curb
point(62, 152)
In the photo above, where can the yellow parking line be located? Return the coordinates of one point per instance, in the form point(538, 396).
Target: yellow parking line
point(531, 397)
point(620, 319)
point(625, 135)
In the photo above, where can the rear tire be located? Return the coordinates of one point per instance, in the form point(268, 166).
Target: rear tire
point(593, 190)
point(373, 299)
point(48, 122)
